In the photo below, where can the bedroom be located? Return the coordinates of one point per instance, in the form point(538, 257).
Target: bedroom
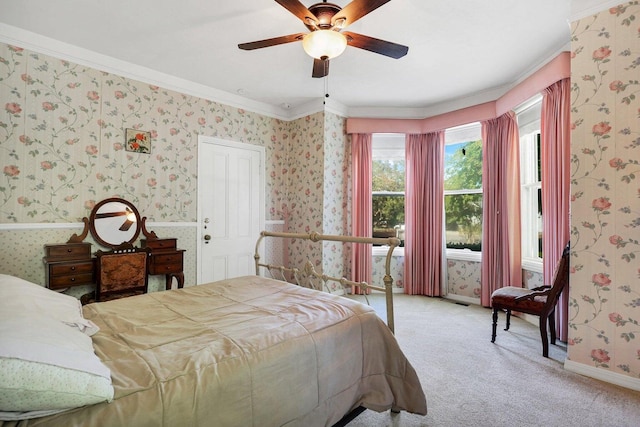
point(100, 167)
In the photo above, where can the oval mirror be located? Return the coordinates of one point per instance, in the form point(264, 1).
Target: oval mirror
point(114, 221)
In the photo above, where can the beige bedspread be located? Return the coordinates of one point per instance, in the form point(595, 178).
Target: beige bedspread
point(248, 351)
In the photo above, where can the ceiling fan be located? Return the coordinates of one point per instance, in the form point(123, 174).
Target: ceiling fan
point(326, 40)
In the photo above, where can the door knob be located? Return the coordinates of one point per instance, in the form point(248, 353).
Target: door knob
point(207, 237)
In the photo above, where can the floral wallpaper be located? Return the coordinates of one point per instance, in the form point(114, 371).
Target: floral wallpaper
point(63, 144)
point(463, 278)
point(604, 316)
point(63, 148)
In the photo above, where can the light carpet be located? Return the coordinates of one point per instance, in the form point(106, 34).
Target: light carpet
point(469, 381)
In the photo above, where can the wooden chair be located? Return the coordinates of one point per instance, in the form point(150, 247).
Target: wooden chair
point(121, 272)
point(540, 301)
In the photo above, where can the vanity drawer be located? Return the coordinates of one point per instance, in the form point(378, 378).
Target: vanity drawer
point(166, 262)
point(67, 268)
point(68, 251)
point(61, 282)
point(168, 258)
point(165, 268)
point(159, 244)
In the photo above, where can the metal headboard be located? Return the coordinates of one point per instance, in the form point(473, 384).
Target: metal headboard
point(310, 274)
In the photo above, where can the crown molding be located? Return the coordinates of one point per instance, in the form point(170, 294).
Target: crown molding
point(48, 46)
point(591, 7)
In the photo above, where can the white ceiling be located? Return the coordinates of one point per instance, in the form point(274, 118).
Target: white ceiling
point(460, 52)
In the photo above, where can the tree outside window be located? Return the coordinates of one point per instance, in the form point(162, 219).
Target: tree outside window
point(463, 195)
point(388, 170)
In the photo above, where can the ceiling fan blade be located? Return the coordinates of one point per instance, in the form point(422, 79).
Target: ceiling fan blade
point(320, 68)
point(271, 42)
point(110, 214)
point(356, 10)
point(298, 9)
point(392, 50)
point(126, 225)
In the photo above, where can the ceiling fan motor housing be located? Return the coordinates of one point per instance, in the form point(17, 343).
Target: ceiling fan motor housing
point(324, 12)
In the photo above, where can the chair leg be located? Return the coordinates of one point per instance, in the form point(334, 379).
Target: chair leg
point(543, 335)
point(495, 325)
point(552, 327)
point(508, 319)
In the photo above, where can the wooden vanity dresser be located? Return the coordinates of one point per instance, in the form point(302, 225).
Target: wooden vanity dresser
point(112, 222)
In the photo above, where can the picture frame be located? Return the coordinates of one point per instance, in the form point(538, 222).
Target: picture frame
point(137, 141)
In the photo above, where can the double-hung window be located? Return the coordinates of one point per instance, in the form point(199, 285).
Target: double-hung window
point(463, 187)
point(531, 184)
point(388, 178)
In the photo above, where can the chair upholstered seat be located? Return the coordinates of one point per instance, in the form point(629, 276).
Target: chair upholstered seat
point(509, 294)
point(540, 301)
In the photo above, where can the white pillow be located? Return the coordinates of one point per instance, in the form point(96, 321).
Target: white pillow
point(47, 367)
point(18, 295)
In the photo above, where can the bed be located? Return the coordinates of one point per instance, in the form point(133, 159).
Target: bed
point(247, 351)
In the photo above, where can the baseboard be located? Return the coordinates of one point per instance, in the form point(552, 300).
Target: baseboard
point(603, 375)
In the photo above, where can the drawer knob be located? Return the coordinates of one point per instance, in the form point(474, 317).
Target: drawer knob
point(73, 268)
point(68, 249)
point(73, 279)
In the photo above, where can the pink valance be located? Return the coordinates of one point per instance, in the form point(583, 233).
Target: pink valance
point(555, 70)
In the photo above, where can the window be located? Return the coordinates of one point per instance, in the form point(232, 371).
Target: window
point(463, 187)
point(531, 182)
point(388, 171)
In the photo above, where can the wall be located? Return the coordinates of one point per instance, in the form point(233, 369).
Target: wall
point(62, 150)
point(604, 336)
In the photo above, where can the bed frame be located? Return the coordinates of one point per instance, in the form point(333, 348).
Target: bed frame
point(309, 277)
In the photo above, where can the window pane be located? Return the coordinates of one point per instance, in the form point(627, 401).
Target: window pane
point(388, 213)
point(463, 226)
point(539, 223)
point(388, 195)
point(462, 201)
point(463, 166)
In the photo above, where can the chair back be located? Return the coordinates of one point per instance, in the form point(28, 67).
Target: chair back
point(122, 271)
point(560, 277)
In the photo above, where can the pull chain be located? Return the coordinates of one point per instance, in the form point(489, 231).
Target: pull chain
point(326, 86)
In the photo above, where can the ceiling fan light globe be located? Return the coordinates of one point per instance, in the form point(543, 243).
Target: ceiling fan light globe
point(324, 44)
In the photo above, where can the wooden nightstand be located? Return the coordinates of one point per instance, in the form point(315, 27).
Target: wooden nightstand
point(165, 258)
point(67, 265)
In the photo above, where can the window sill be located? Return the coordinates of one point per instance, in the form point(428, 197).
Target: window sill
point(382, 251)
point(532, 264)
point(464, 255)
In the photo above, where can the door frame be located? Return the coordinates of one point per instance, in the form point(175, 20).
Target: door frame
point(203, 139)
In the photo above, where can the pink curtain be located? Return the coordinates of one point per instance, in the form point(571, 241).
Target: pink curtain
point(361, 210)
point(501, 250)
point(555, 157)
point(423, 214)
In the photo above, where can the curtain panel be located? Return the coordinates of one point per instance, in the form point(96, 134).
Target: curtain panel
point(361, 210)
point(424, 195)
point(555, 153)
point(501, 243)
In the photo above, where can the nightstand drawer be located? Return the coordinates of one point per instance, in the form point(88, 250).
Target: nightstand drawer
point(59, 282)
point(65, 269)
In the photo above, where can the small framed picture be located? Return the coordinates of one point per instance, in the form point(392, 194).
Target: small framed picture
point(138, 141)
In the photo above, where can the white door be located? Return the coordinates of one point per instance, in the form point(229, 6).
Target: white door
point(230, 207)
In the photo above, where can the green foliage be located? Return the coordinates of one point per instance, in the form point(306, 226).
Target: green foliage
point(388, 209)
point(388, 175)
point(464, 211)
point(464, 170)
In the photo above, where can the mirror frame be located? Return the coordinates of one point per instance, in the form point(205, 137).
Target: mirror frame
point(98, 233)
